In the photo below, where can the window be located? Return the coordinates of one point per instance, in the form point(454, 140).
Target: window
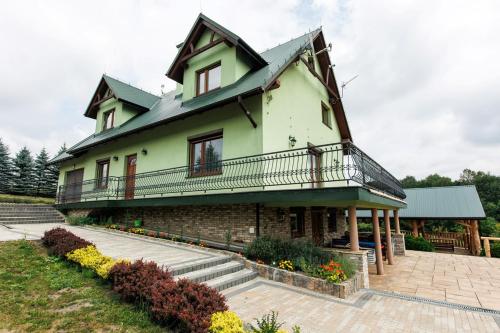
point(102, 173)
point(208, 79)
point(108, 119)
point(297, 222)
point(326, 115)
point(332, 219)
point(206, 155)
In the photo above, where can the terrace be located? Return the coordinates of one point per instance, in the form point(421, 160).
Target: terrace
point(333, 172)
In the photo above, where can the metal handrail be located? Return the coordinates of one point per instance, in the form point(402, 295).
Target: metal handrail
point(340, 162)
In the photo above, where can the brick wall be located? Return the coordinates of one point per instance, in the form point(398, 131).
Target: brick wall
point(213, 222)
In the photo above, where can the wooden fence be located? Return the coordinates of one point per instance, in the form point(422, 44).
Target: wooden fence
point(460, 239)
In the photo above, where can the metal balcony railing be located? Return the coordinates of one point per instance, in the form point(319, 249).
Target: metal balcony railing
point(318, 166)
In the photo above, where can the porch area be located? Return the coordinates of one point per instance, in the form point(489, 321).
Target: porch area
point(460, 279)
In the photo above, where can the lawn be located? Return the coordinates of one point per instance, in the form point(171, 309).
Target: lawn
point(11, 198)
point(43, 293)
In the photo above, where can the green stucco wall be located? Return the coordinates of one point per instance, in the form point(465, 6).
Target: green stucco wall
point(295, 109)
point(122, 113)
point(167, 145)
point(233, 65)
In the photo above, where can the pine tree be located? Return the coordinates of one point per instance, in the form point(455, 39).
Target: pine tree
point(23, 172)
point(5, 169)
point(53, 175)
point(41, 173)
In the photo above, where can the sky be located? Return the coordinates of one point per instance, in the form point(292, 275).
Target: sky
point(426, 98)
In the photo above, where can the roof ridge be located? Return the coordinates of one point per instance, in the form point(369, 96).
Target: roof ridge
point(128, 84)
point(291, 40)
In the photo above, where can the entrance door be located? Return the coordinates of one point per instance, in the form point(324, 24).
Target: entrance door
point(314, 162)
point(317, 226)
point(73, 191)
point(130, 179)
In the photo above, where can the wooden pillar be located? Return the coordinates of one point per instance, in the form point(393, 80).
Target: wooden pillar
point(475, 237)
point(353, 229)
point(487, 248)
point(378, 243)
point(396, 221)
point(388, 240)
point(414, 228)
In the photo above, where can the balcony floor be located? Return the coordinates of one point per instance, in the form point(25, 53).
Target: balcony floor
point(329, 197)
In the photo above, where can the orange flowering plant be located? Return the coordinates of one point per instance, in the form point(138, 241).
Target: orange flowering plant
point(332, 272)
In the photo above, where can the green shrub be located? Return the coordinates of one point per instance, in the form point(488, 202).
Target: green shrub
point(365, 227)
point(80, 220)
point(495, 249)
point(302, 253)
point(418, 244)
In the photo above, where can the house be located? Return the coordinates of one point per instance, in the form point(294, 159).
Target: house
point(248, 144)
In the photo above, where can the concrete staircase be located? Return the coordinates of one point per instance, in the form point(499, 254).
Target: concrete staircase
point(26, 213)
point(219, 273)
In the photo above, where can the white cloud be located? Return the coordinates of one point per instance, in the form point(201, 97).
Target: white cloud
point(426, 99)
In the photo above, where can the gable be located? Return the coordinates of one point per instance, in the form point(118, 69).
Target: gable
point(197, 42)
point(109, 87)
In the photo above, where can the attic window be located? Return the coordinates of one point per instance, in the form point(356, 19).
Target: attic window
point(208, 79)
point(108, 119)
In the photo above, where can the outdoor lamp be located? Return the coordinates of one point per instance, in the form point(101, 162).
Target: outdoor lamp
point(292, 140)
point(144, 151)
point(115, 158)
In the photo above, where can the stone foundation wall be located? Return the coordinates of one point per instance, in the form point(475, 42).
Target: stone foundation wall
point(213, 222)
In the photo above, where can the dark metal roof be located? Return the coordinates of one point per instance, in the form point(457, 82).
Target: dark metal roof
point(435, 203)
point(170, 107)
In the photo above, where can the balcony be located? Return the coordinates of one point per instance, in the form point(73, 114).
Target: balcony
point(315, 167)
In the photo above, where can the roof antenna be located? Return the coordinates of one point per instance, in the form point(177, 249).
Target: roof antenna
point(346, 83)
point(201, 9)
point(326, 49)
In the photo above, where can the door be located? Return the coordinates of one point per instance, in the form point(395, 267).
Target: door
point(130, 178)
point(317, 226)
point(314, 163)
point(73, 191)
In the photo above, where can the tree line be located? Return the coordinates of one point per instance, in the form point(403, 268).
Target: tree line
point(25, 175)
point(488, 188)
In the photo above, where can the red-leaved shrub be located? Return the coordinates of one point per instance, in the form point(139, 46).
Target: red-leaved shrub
point(185, 306)
point(133, 282)
point(59, 241)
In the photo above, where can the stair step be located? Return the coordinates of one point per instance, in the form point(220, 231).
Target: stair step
point(199, 264)
point(213, 272)
point(231, 280)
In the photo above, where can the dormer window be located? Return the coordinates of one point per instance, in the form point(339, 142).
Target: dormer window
point(108, 119)
point(208, 79)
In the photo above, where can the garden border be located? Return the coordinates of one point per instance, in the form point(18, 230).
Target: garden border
point(342, 290)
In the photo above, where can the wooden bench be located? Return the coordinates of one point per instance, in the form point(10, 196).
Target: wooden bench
point(444, 245)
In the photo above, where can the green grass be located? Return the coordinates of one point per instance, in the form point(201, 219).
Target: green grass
point(11, 198)
point(39, 293)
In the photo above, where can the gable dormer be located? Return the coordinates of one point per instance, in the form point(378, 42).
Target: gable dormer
point(115, 102)
point(211, 57)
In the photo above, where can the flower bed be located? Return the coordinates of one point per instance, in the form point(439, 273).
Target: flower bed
point(183, 305)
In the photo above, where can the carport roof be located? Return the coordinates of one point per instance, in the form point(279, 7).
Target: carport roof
point(439, 203)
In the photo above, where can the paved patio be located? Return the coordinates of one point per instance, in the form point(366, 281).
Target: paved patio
point(367, 311)
point(461, 279)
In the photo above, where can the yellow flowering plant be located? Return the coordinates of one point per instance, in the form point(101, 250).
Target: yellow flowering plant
point(88, 257)
point(286, 264)
point(226, 322)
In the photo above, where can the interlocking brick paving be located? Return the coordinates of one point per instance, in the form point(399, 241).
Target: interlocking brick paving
point(462, 279)
point(367, 311)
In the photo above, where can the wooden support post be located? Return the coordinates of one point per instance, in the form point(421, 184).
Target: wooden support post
point(388, 239)
point(396, 221)
point(475, 237)
point(487, 249)
point(378, 243)
point(353, 229)
point(414, 229)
